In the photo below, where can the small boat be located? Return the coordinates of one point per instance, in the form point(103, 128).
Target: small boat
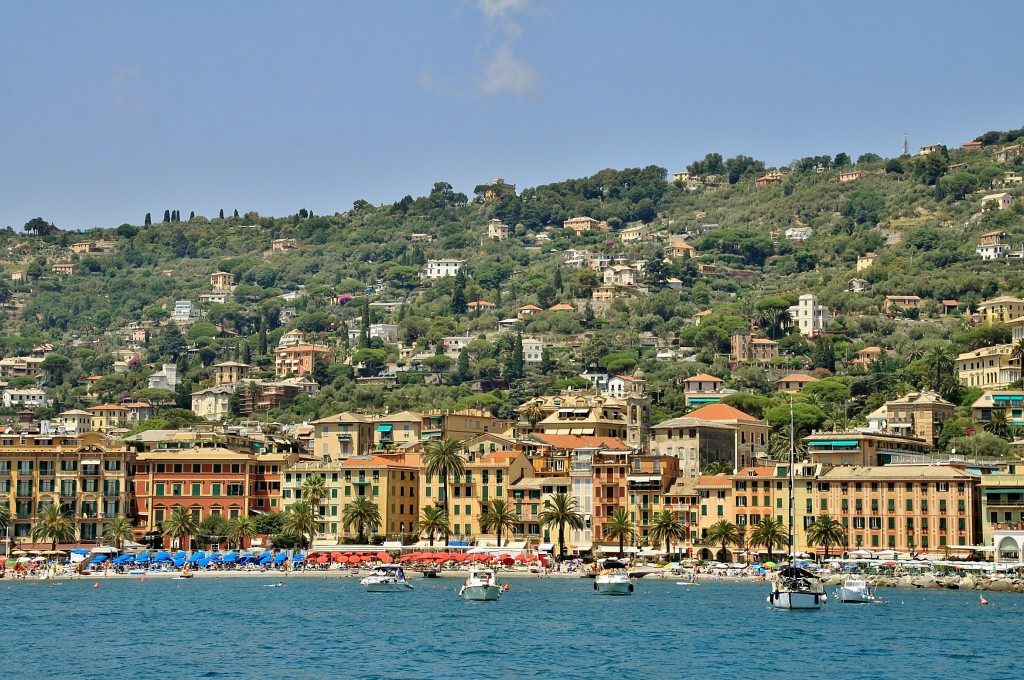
point(797, 588)
point(613, 579)
point(387, 578)
point(185, 573)
point(855, 590)
point(480, 585)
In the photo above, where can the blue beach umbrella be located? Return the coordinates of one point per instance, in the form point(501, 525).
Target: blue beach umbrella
point(196, 557)
point(205, 562)
point(280, 558)
point(179, 561)
point(229, 558)
point(79, 551)
point(162, 556)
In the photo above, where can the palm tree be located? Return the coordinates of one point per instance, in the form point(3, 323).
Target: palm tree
point(118, 530)
point(560, 511)
point(778, 444)
point(314, 491)
point(362, 512)
point(55, 525)
point(723, 532)
point(619, 526)
point(941, 361)
point(770, 533)
point(254, 394)
point(179, 524)
point(241, 529)
point(499, 518)
point(434, 521)
point(444, 458)
point(716, 467)
point(998, 424)
point(826, 531)
point(5, 516)
point(1018, 353)
point(301, 521)
point(533, 414)
point(665, 527)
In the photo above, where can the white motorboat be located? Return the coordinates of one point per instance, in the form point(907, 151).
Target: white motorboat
point(855, 590)
point(387, 578)
point(613, 579)
point(480, 585)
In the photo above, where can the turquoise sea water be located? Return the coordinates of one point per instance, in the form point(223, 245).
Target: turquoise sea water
point(541, 628)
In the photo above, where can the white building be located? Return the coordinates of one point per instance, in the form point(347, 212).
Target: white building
point(213, 403)
point(453, 345)
point(438, 269)
point(533, 351)
point(799, 233)
point(808, 316)
point(74, 421)
point(184, 310)
point(164, 379)
point(388, 332)
point(29, 398)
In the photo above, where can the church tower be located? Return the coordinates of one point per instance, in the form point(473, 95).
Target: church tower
point(638, 413)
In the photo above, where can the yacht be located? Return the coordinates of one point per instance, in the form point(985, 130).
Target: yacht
point(387, 578)
point(481, 584)
point(793, 587)
point(855, 590)
point(613, 579)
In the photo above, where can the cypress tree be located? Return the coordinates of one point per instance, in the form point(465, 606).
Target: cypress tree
point(222, 213)
point(516, 367)
point(459, 293)
point(167, 216)
point(462, 373)
point(191, 215)
point(149, 219)
point(263, 337)
point(364, 331)
point(557, 282)
point(246, 353)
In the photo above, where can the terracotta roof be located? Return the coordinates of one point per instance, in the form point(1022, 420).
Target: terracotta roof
point(530, 307)
point(703, 377)
point(373, 461)
point(797, 377)
point(562, 307)
point(721, 479)
point(721, 412)
point(495, 458)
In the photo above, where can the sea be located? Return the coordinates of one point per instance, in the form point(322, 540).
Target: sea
point(541, 628)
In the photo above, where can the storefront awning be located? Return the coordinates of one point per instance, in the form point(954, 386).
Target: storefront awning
point(384, 428)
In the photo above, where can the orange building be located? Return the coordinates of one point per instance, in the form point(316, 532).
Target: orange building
point(297, 360)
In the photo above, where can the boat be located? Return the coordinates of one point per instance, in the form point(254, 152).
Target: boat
point(387, 578)
point(613, 579)
point(794, 587)
point(855, 590)
point(480, 585)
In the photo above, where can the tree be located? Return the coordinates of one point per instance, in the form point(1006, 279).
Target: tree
point(533, 414)
point(459, 293)
point(167, 216)
point(462, 372)
point(716, 467)
point(941, 361)
point(998, 424)
point(434, 521)
point(499, 518)
point(443, 458)
point(253, 395)
point(561, 510)
point(769, 534)
point(301, 521)
point(56, 365)
point(149, 219)
point(242, 528)
point(179, 524)
point(619, 526)
point(55, 525)
point(5, 517)
point(118, 530)
point(826, 531)
point(314, 491)
point(39, 227)
point(362, 512)
point(212, 530)
point(723, 533)
point(515, 369)
point(666, 526)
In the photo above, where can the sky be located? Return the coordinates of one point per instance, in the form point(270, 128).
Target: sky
point(111, 110)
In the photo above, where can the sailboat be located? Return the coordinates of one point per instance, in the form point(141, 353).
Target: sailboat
point(793, 587)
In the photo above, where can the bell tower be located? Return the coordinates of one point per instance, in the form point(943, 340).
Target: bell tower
point(638, 413)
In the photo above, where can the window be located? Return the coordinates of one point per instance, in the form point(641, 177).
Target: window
point(197, 489)
point(910, 505)
point(159, 490)
point(215, 489)
point(176, 489)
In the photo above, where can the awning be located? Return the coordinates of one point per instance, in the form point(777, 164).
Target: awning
point(384, 428)
point(545, 547)
point(90, 461)
point(837, 442)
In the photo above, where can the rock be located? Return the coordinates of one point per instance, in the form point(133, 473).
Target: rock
point(967, 583)
point(1001, 585)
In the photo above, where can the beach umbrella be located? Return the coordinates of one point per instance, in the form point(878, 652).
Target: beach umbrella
point(76, 551)
point(196, 557)
point(161, 556)
point(387, 559)
point(230, 557)
point(381, 555)
point(323, 559)
point(23, 559)
point(336, 557)
point(179, 562)
point(280, 558)
point(205, 561)
point(507, 561)
point(770, 565)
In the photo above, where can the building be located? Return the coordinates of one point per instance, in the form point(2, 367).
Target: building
point(497, 230)
point(868, 355)
point(1009, 153)
point(533, 351)
point(230, 373)
point(389, 482)
point(283, 244)
point(29, 398)
point(489, 476)
point(86, 473)
point(462, 424)
point(681, 249)
point(769, 179)
point(610, 472)
point(865, 448)
point(988, 367)
point(1002, 511)
point(342, 435)
point(906, 508)
point(931, 148)
point(298, 360)
point(808, 316)
point(743, 346)
point(900, 302)
point(207, 481)
point(396, 430)
point(716, 432)
point(213, 403)
point(527, 311)
point(21, 367)
point(794, 382)
point(865, 261)
point(918, 414)
point(63, 268)
point(74, 421)
point(1008, 402)
point(703, 389)
point(439, 269)
point(994, 245)
point(1002, 309)
point(857, 285)
point(582, 224)
point(222, 280)
point(164, 379)
point(619, 275)
point(635, 234)
point(109, 417)
point(419, 239)
point(799, 233)
point(1000, 201)
point(649, 478)
point(851, 175)
point(184, 311)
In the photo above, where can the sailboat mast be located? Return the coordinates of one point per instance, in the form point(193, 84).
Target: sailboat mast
point(792, 462)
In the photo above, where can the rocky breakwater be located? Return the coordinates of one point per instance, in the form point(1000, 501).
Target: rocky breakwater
point(949, 582)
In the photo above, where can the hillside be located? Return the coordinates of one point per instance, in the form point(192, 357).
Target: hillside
point(921, 216)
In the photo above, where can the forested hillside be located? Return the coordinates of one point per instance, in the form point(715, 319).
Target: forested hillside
point(922, 216)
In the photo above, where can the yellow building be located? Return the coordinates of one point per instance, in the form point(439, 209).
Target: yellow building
point(107, 417)
point(1001, 309)
point(988, 367)
point(230, 373)
point(87, 475)
point(391, 482)
point(462, 424)
point(342, 435)
point(865, 448)
point(649, 479)
point(395, 430)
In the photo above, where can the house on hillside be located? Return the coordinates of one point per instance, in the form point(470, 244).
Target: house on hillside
point(794, 382)
point(799, 233)
point(857, 285)
point(994, 245)
point(868, 355)
point(865, 261)
point(497, 230)
point(851, 175)
point(931, 148)
point(439, 269)
point(581, 224)
point(901, 302)
point(1000, 201)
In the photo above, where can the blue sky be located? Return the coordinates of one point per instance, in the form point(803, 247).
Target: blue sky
point(115, 109)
